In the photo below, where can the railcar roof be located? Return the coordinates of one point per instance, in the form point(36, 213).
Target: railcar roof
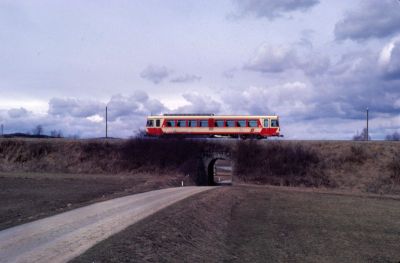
point(214, 117)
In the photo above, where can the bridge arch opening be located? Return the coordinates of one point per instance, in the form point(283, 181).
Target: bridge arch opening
point(219, 171)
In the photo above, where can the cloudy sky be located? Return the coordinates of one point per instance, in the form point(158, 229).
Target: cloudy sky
point(318, 64)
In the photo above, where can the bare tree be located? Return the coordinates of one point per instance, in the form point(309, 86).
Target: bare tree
point(362, 136)
point(74, 136)
point(38, 130)
point(139, 134)
point(393, 137)
point(56, 134)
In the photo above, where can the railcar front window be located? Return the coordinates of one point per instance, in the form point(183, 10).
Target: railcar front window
point(241, 123)
point(157, 123)
point(203, 123)
point(219, 123)
point(170, 123)
point(274, 123)
point(230, 123)
point(266, 124)
point(149, 123)
point(253, 123)
point(192, 123)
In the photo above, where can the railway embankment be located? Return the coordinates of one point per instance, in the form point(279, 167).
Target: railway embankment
point(346, 165)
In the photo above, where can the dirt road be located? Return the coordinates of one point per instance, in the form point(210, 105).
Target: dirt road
point(64, 236)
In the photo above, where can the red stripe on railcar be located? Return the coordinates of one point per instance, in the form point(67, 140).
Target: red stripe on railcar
point(154, 131)
point(269, 132)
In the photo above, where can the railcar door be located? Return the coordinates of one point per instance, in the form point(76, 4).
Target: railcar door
point(211, 124)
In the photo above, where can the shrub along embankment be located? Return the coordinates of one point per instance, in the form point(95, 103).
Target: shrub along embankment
point(279, 163)
point(359, 166)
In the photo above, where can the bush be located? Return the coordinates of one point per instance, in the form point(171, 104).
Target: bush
point(278, 164)
point(357, 154)
point(362, 136)
point(394, 168)
point(393, 137)
point(21, 151)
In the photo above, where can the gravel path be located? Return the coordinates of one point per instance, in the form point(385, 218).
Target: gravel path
point(64, 236)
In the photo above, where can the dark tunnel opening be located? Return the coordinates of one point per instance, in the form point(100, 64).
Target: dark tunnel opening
point(219, 172)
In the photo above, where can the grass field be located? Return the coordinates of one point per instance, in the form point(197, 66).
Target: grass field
point(26, 197)
point(261, 224)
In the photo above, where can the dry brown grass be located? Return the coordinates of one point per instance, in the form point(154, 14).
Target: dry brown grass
point(259, 224)
point(26, 197)
point(279, 164)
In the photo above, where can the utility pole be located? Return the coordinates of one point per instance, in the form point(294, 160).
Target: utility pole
point(106, 124)
point(367, 127)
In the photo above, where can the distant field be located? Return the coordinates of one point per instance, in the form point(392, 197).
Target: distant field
point(261, 224)
point(28, 196)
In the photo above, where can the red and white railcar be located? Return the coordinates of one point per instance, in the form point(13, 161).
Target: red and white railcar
point(210, 125)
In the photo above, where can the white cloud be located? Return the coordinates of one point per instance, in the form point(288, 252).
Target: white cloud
point(278, 59)
point(373, 19)
point(389, 59)
point(139, 104)
point(272, 8)
point(17, 113)
point(273, 59)
point(199, 104)
point(397, 104)
point(75, 107)
point(85, 118)
point(187, 78)
point(155, 74)
point(95, 118)
point(289, 99)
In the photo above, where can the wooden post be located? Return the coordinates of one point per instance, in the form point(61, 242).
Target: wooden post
point(367, 127)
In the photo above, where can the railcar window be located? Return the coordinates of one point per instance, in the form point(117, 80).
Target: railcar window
point(149, 123)
point(181, 123)
point(253, 123)
point(219, 123)
point(192, 123)
point(241, 123)
point(170, 123)
point(230, 123)
point(157, 123)
point(274, 123)
point(266, 124)
point(203, 123)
